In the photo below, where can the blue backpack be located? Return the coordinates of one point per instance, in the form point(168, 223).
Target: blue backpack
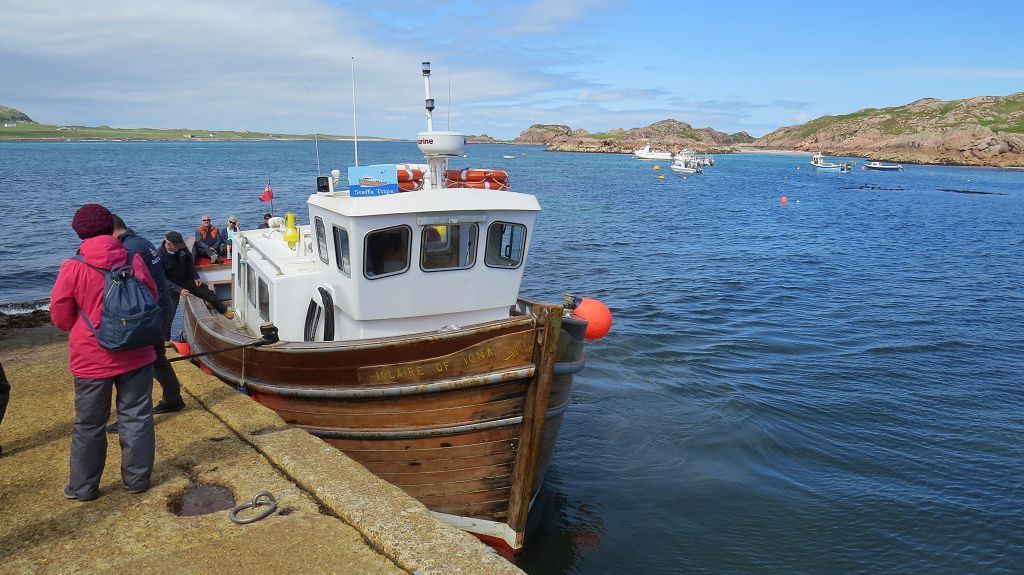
point(130, 317)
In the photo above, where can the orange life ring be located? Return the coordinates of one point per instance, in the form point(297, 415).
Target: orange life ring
point(410, 186)
point(478, 175)
point(410, 175)
point(484, 185)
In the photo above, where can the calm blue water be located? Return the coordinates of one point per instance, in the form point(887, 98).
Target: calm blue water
point(833, 385)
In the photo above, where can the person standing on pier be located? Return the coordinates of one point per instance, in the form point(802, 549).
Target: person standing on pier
point(5, 395)
point(78, 295)
point(162, 370)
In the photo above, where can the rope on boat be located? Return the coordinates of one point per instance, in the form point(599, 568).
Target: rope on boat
point(263, 498)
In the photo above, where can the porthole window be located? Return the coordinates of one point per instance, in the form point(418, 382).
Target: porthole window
point(341, 250)
point(321, 239)
point(448, 247)
point(264, 299)
point(386, 252)
point(506, 245)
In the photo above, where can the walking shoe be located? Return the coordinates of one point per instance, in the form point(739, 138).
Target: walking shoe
point(112, 428)
point(229, 314)
point(163, 407)
point(69, 495)
point(136, 490)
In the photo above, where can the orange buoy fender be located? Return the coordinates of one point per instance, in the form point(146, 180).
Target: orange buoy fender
point(182, 347)
point(598, 316)
point(477, 175)
point(410, 175)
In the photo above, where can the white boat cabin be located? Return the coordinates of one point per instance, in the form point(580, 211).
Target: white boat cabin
point(386, 265)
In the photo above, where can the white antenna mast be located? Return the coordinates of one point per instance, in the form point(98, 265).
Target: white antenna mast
point(449, 101)
point(429, 100)
point(355, 136)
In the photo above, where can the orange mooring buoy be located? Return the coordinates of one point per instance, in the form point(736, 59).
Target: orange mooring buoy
point(598, 316)
point(782, 200)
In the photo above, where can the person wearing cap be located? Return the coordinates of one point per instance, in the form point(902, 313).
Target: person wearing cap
point(182, 277)
point(163, 372)
point(266, 222)
point(98, 371)
point(208, 240)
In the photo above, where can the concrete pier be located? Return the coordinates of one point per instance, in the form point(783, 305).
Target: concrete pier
point(333, 515)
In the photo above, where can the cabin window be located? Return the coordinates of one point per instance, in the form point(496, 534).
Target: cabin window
point(387, 252)
point(448, 247)
point(264, 299)
point(341, 250)
point(506, 244)
point(250, 285)
point(321, 240)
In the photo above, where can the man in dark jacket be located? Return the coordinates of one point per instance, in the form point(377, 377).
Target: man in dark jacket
point(162, 370)
point(181, 275)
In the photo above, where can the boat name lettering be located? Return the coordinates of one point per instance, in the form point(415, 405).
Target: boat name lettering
point(425, 141)
point(391, 373)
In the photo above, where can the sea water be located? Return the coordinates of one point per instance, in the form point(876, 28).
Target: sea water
point(827, 385)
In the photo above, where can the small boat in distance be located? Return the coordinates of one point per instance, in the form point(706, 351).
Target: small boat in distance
point(509, 157)
point(883, 167)
point(686, 164)
point(649, 153)
point(820, 165)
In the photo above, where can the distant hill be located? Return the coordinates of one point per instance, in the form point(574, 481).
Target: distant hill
point(21, 127)
point(980, 131)
point(12, 115)
point(670, 135)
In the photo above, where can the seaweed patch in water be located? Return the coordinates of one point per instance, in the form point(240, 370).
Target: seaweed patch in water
point(975, 192)
point(875, 187)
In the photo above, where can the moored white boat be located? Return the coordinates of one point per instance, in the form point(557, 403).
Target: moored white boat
point(883, 167)
point(819, 164)
point(401, 336)
point(686, 165)
point(648, 153)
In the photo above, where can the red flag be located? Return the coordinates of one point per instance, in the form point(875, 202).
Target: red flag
point(268, 194)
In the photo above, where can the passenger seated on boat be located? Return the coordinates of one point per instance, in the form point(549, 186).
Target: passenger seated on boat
point(387, 251)
point(209, 242)
point(266, 222)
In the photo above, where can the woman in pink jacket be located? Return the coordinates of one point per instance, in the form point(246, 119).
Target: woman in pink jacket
point(97, 370)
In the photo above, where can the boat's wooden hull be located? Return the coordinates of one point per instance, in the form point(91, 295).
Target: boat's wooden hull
point(463, 420)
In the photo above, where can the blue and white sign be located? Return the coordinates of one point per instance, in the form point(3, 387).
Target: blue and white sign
point(376, 180)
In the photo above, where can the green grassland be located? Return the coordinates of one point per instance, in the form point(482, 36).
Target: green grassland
point(34, 131)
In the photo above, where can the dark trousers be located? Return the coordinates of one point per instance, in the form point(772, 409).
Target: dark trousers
point(5, 392)
point(165, 376)
point(202, 292)
point(134, 427)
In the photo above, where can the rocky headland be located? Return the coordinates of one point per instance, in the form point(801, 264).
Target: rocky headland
point(671, 135)
point(980, 131)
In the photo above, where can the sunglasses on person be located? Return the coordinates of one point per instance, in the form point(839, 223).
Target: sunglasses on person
point(206, 219)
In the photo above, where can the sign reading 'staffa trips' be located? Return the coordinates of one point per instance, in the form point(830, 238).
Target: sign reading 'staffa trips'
point(374, 180)
point(510, 350)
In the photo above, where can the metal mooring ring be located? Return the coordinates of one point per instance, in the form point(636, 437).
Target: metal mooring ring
point(262, 499)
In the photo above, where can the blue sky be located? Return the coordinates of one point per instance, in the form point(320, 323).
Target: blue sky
point(284, 66)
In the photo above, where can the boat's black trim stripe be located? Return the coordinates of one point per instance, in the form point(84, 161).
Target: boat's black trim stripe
point(415, 433)
point(393, 391)
point(570, 367)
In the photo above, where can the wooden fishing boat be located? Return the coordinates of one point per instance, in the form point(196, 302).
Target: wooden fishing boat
point(400, 337)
